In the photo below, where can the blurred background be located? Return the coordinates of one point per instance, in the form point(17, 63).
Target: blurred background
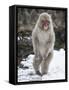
point(27, 19)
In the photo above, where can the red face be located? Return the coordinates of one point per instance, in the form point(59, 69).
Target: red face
point(45, 24)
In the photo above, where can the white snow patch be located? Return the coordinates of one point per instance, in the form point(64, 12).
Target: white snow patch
point(56, 68)
point(27, 38)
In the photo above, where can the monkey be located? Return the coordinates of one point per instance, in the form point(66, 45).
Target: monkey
point(43, 40)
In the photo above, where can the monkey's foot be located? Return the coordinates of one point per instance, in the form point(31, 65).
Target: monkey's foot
point(44, 73)
point(37, 72)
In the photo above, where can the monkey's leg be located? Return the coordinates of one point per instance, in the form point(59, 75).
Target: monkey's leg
point(36, 63)
point(45, 64)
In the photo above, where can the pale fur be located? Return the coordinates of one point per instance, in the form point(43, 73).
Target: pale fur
point(43, 44)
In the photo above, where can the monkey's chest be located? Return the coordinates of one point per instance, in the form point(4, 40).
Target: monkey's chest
point(43, 38)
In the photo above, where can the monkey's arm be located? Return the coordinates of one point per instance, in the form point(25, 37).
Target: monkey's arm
point(50, 44)
point(35, 43)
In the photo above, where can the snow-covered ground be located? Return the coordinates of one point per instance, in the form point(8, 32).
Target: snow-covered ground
point(56, 68)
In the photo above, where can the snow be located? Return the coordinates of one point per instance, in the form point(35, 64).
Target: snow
point(56, 68)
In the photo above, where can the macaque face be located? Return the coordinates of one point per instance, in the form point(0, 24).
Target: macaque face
point(44, 22)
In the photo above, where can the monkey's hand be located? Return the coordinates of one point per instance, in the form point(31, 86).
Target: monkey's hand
point(46, 55)
point(50, 44)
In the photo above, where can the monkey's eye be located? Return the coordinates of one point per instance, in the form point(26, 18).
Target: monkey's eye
point(45, 22)
point(42, 21)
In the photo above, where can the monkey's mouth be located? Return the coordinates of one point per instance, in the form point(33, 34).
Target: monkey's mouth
point(45, 27)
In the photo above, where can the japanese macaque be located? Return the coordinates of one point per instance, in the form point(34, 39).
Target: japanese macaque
point(43, 39)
